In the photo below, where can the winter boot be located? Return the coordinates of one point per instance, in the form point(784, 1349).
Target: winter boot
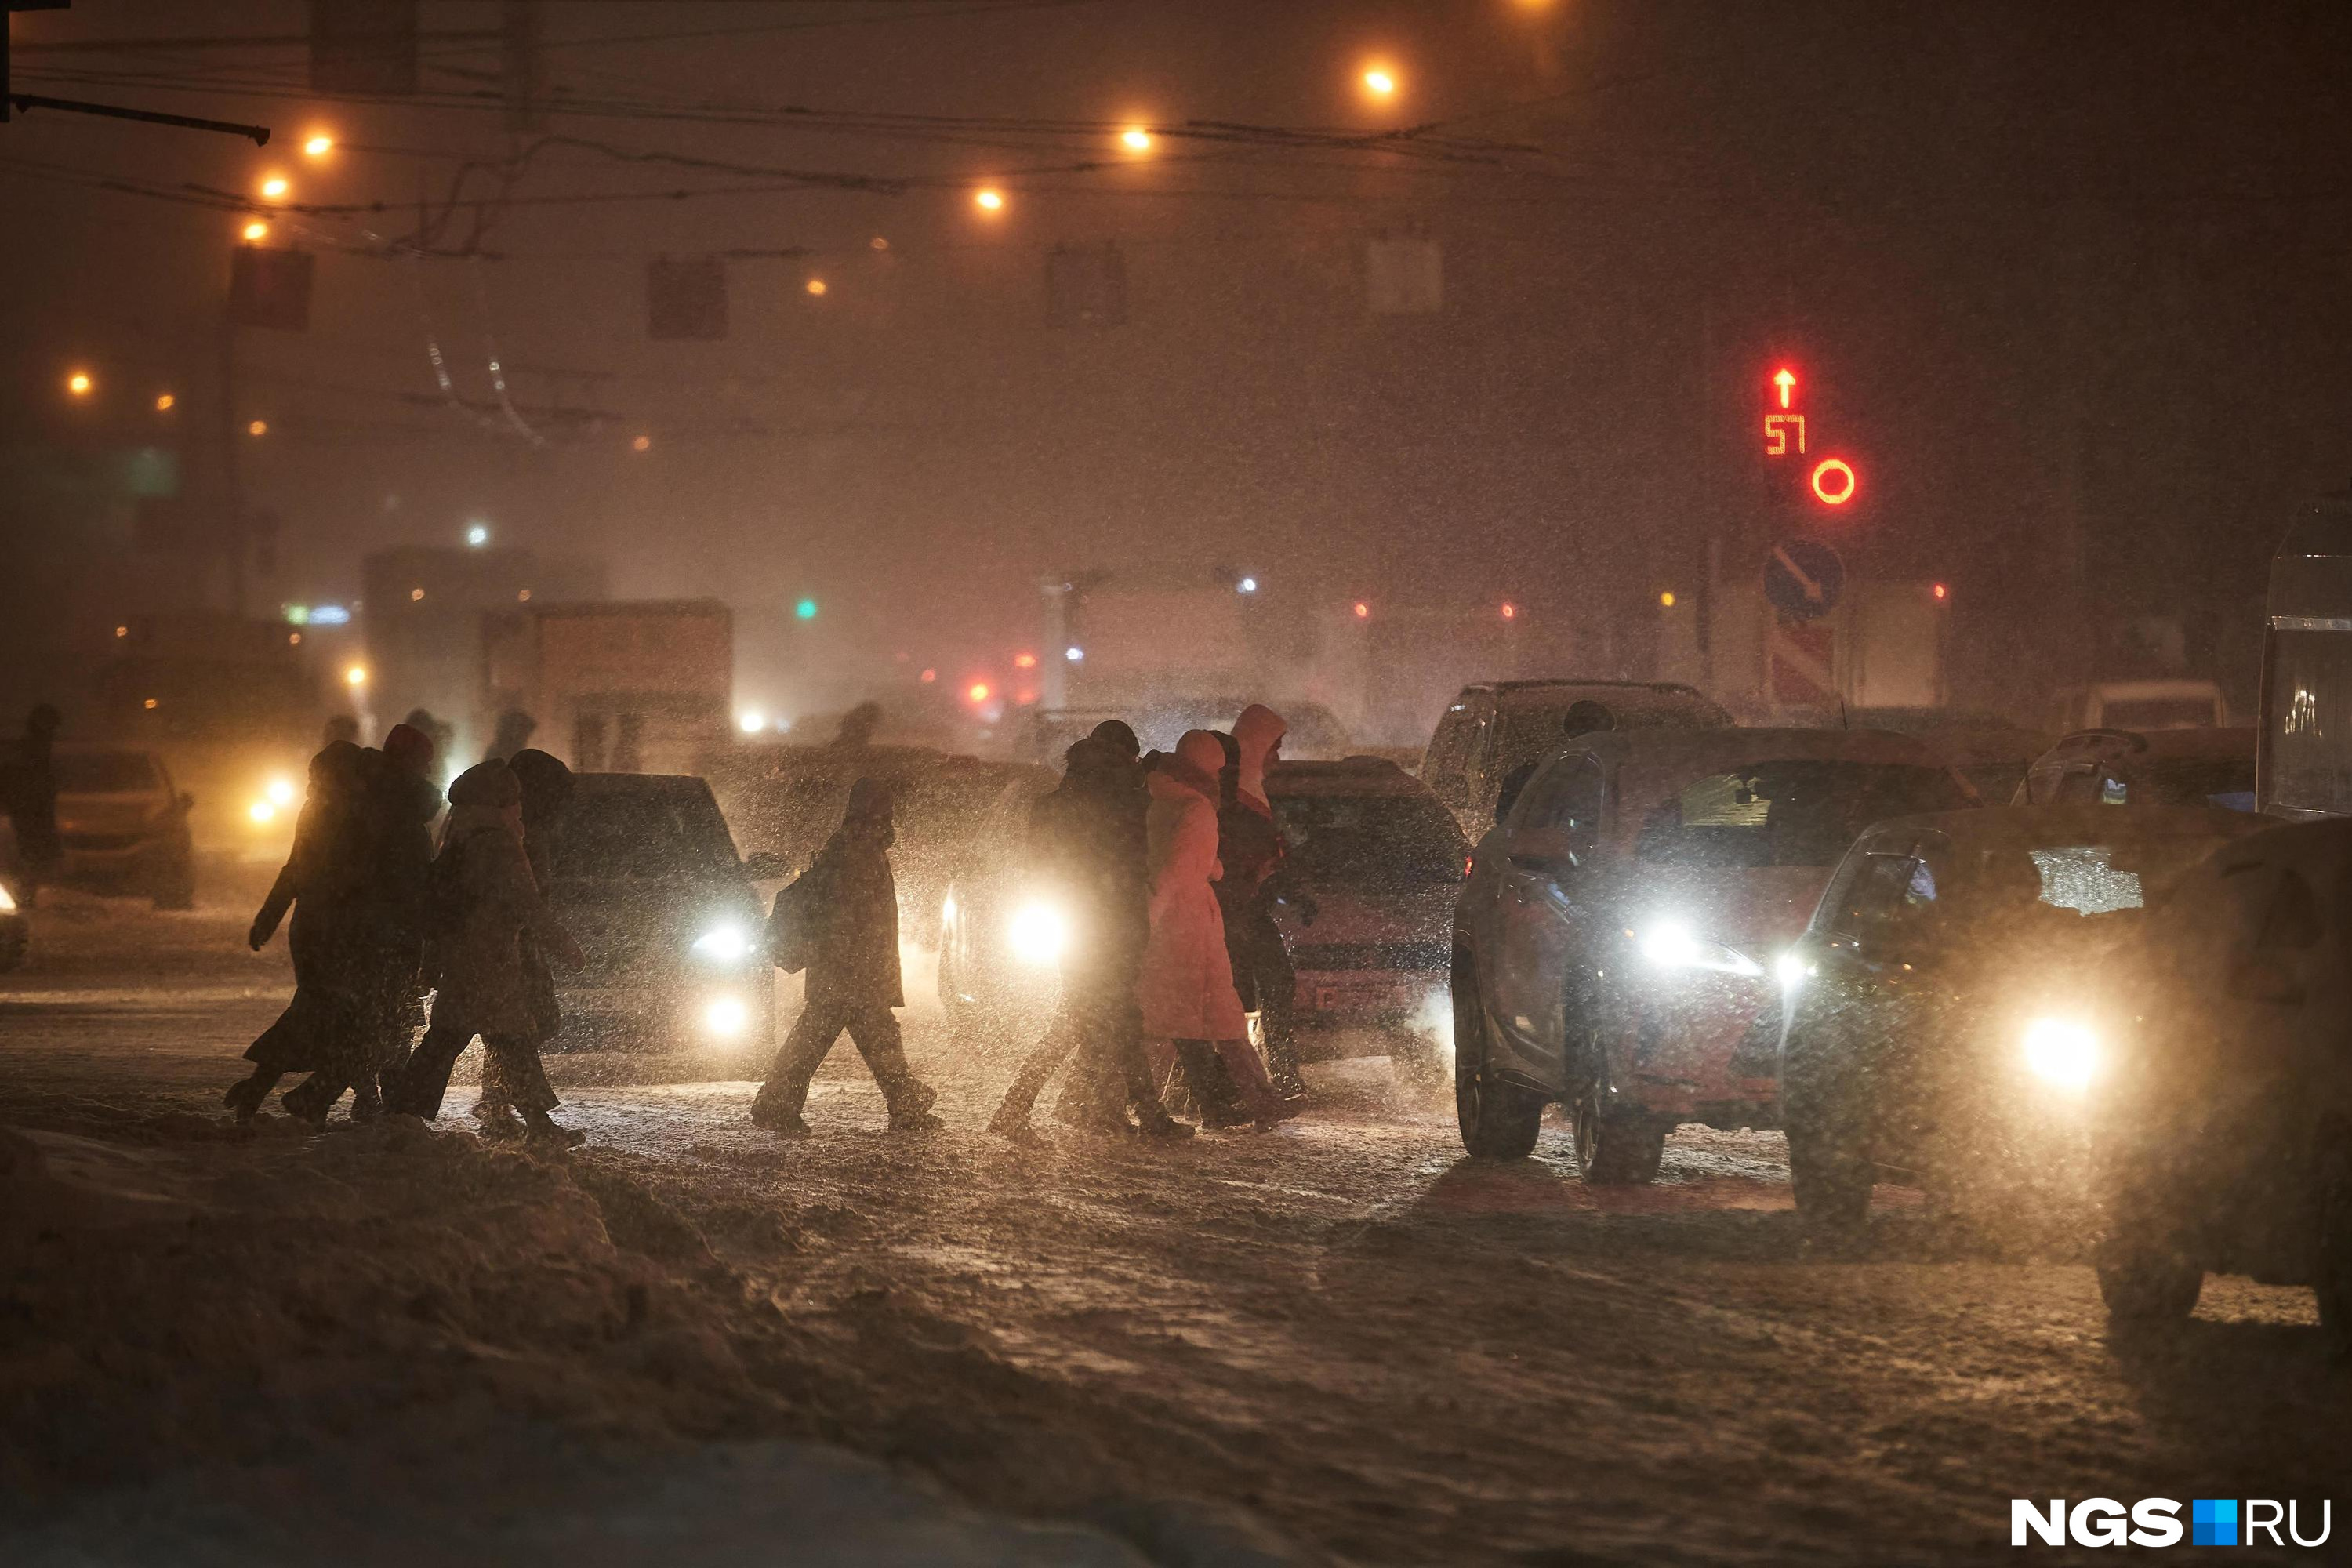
point(910, 1109)
point(542, 1128)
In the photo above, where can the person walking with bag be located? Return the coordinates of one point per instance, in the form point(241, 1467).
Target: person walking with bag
point(485, 907)
point(839, 921)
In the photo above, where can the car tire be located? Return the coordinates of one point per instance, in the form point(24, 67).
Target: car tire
point(177, 888)
point(1615, 1151)
point(2331, 1273)
point(1830, 1180)
point(1499, 1121)
point(2146, 1279)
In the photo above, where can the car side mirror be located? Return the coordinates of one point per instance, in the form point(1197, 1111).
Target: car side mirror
point(765, 866)
point(2255, 979)
point(1549, 850)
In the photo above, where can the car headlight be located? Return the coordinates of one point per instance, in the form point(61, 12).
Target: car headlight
point(280, 792)
point(2062, 1052)
point(726, 1016)
point(7, 900)
point(261, 813)
point(1038, 933)
point(1792, 970)
point(1669, 944)
point(723, 944)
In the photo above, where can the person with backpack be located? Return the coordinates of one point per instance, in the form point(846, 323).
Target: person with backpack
point(484, 907)
point(839, 921)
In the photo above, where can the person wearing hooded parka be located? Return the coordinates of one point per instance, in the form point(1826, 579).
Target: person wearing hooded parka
point(488, 912)
point(840, 919)
point(323, 882)
point(1186, 987)
point(393, 834)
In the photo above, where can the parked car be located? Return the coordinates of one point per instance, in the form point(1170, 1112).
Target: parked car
point(1365, 903)
point(1000, 933)
point(2140, 705)
point(2225, 1144)
point(123, 826)
point(1494, 729)
point(1615, 944)
point(647, 877)
point(1940, 1016)
point(2160, 767)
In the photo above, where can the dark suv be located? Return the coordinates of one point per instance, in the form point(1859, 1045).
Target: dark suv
point(1497, 729)
point(124, 825)
point(648, 880)
point(2227, 1146)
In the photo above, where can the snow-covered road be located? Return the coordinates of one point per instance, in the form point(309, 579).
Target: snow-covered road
point(1345, 1328)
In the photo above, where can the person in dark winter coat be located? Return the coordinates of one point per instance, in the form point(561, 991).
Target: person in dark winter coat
point(397, 805)
point(28, 788)
point(1087, 839)
point(1250, 845)
point(322, 882)
point(547, 787)
point(486, 912)
point(842, 915)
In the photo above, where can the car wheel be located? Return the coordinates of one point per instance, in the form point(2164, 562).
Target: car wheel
point(1616, 1151)
point(177, 888)
point(1499, 1121)
point(1828, 1178)
point(2331, 1274)
point(2145, 1278)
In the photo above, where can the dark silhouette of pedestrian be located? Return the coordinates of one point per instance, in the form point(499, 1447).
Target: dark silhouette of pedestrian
point(340, 730)
point(840, 920)
point(512, 733)
point(398, 802)
point(322, 882)
point(485, 910)
point(1250, 847)
point(1086, 841)
point(29, 787)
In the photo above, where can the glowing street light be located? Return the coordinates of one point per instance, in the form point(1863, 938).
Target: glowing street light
point(1380, 82)
point(477, 535)
point(78, 384)
point(1666, 599)
point(255, 232)
point(319, 145)
point(1075, 654)
point(356, 676)
point(751, 721)
point(1246, 585)
point(1024, 661)
point(1135, 139)
point(978, 691)
point(815, 286)
point(257, 427)
point(988, 198)
point(276, 188)
point(642, 444)
point(164, 403)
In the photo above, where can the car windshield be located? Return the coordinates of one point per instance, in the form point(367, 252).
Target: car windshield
point(1799, 813)
point(105, 773)
point(1361, 838)
point(2158, 713)
point(1526, 735)
point(1945, 893)
point(644, 835)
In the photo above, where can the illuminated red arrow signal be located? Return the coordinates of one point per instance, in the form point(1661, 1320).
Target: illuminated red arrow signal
point(1786, 381)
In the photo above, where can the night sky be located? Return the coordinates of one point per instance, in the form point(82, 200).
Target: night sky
point(2070, 283)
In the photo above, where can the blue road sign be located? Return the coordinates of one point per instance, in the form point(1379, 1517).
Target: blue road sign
point(1803, 578)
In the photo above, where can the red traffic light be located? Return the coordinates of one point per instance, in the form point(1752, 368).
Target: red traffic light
point(1363, 611)
point(1834, 481)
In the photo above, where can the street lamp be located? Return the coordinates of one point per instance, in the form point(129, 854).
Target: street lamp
point(1380, 82)
point(256, 231)
point(319, 145)
point(988, 198)
point(1135, 139)
point(477, 535)
point(78, 384)
point(815, 286)
point(275, 188)
point(356, 676)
